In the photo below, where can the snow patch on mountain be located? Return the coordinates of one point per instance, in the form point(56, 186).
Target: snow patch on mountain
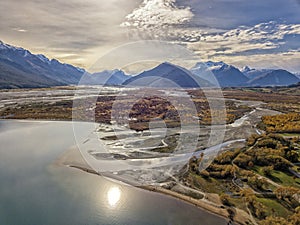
point(43, 58)
point(220, 73)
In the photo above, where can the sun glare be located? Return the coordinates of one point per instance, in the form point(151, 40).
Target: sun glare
point(113, 196)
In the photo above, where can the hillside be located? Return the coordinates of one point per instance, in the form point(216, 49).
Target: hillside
point(226, 75)
point(167, 75)
point(19, 68)
point(275, 78)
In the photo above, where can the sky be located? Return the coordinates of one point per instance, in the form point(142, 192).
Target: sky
point(260, 34)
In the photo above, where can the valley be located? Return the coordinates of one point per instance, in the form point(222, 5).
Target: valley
point(236, 183)
point(150, 112)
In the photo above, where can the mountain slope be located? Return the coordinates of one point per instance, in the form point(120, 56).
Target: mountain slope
point(226, 75)
point(12, 77)
point(106, 77)
point(253, 73)
point(20, 68)
point(275, 78)
point(167, 75)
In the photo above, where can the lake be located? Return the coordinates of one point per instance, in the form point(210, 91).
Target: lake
point(35, 191)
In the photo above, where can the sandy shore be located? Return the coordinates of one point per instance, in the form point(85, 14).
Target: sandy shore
point(72, 158)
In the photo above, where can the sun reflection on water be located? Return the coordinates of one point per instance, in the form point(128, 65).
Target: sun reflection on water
point(113, 196)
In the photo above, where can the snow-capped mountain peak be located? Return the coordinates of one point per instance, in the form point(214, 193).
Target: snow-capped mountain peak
point(210, 66)
point(214, 64)
point(24, 69)
point(4, 46)
point(226, 75)
point(246, 69)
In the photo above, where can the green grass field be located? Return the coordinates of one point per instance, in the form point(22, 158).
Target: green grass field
point(274, 208)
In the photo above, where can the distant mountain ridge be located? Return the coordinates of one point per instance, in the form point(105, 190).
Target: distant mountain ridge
point(270, 77)
point(107, 77)
point(276, 77)
point(19, 68)
point(226, 75)
point(167, 75)
point(230, 76)
point(252, 73)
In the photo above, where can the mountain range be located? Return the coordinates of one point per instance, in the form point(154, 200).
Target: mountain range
point(19, 68)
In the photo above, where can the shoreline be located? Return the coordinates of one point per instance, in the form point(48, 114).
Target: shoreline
point(199, 203)
point(73, 159)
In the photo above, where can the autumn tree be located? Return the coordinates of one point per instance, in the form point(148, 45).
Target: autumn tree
point(267, 170)
point(286, 192)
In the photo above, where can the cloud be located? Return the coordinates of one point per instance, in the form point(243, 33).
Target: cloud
point(79, 32)
point(157, 13)
point(265, 45)
point(262, 38)
point(286, 60)
point(210, 28)
point(157, 19)
point(19, 29)
point(84, 28)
